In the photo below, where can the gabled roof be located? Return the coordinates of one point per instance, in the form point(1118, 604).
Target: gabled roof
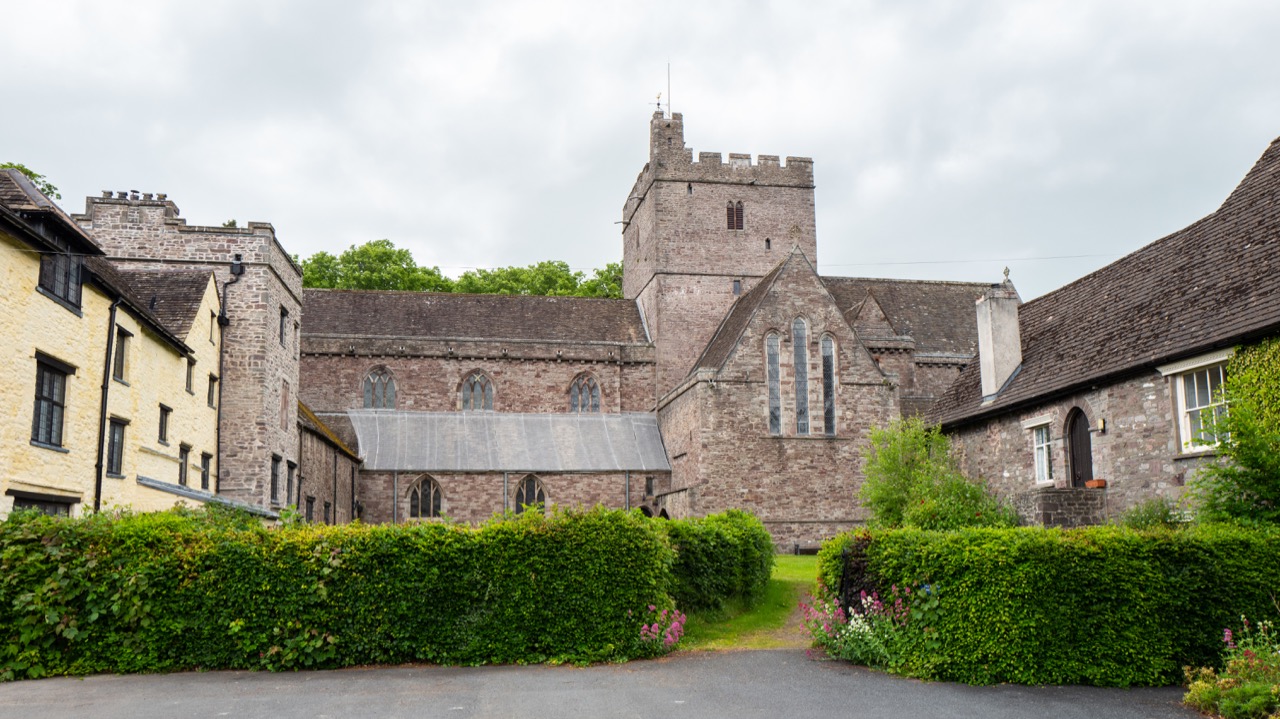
point(938, 315)
point(1213, 284)
point(509, 442)
point(309, 420)
point(20, 198)
point(736, 319)
point(436, 315)
point(113, 280)
point(173, 296)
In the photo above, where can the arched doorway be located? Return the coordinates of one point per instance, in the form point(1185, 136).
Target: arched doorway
point(1079, 448)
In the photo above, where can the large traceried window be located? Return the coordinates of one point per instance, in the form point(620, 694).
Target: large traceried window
point(828, 386)
point(379, 390)
point(584, 395)
point(1200, 403)
point(772, 375)
point(1043, 447)
point(477, 393)
point(424, 499)
point(529, 494)
point(800, 348)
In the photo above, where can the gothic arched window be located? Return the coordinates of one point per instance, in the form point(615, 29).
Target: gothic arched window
point(584, 395)
point(828, 385)
point(772, 375)
point(529, 494)
point(800, 346)
point(424, 499)
point(733, 215)
point(477, 392)
point(379, 390)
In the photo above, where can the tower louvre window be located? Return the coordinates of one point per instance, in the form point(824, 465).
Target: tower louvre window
point(733, 215)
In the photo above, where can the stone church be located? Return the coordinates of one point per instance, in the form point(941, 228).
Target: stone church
point(732, 375)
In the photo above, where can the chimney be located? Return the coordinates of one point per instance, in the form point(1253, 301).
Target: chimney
point(999, 337)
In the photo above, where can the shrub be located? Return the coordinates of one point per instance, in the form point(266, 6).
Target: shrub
point(911, 481)
point(186, 589)
point(1150, 513)
point(719, 557)
point(1104, 605)
point(1249, 684)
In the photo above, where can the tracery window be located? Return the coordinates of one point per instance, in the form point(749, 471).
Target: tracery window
point(529, 494)
point(477, 392)
point(379, 390)
point(424, 499)
point(584, 395)
point(800, 346)
point(733, 215)
point(828, 385)
point(775, 390)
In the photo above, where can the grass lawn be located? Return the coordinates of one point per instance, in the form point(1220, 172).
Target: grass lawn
point(774, 622)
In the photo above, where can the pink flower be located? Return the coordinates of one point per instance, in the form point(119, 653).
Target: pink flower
point(652, 608)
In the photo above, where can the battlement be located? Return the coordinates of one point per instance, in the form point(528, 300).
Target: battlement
point(155, 210)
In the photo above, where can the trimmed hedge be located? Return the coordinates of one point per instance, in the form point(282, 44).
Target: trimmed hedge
point(186, 589)
point(719, 557)
point(1104, 606)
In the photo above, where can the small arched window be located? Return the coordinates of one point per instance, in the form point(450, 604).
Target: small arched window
point(828, 385)
point(584, 395)
point(379, 390)
point(800, 373)
point(529, 494)
point(733, 215)
point(424, 499)
point(477, 392)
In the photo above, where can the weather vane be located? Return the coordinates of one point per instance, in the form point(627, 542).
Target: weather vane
point(659, 102)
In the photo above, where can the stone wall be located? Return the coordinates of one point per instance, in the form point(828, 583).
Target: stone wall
point(1062, 507)
point(258, 376)
point(1137, 453)
point(327, 475)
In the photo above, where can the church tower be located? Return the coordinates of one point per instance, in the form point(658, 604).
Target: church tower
point(697, 234)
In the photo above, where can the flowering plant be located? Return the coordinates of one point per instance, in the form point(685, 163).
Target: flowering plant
point(1249, 684)
point(873, 632)
point(661, 631)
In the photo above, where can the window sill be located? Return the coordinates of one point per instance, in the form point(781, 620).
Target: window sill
point(1196, 454)
point(53, 447)
point(121, 381)
point(74, 309)
point(191, 392)
point(162, 442)
point(115, 475)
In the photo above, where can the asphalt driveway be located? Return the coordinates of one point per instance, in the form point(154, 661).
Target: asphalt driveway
point(707, 685)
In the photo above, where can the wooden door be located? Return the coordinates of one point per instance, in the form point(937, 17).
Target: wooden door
point(1081, 452)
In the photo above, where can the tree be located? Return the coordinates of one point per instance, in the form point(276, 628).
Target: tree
point(375, 265)
point(605, 282)
point(1244, 484)
point(549, 277)
point(912, 481)
point(40, 181)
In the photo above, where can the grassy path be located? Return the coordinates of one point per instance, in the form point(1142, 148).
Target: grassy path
point(774, 623)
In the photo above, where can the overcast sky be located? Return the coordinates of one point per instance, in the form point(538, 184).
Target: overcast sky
point(950, 139)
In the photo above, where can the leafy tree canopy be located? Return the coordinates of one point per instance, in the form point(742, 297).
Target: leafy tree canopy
point(40, 181)
point(380, 265)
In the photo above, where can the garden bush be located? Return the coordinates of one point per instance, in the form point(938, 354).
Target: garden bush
point(1248, 686)
point(204, 589)
point(719, 557)
point(1105, 606)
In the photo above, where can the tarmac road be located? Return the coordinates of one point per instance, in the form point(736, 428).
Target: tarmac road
point(706, 685)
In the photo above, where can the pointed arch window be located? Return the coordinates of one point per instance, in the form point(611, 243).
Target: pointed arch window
point(828, 385)
point(424, 499)
point(733, 215)
point(584, 395)
point(477, 392)
point(773, 377)
point(800, 347)
point(379, 390)
point(529, 494)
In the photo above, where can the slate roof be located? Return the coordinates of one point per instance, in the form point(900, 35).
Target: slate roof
point(516, 442)
point(174, 296)
point(308, 419)
point(436, 315)
point(938, 315)
point(1213, 284)
point(20, 197)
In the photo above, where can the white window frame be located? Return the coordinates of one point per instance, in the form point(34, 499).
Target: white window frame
point(1178, 373)
point(1042, 448)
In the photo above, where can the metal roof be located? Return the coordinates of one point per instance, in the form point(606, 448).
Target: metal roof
point(508, 442)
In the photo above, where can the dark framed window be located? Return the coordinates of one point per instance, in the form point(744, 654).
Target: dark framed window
point(52, 505)
point(50, 407)
point(529, 494)
point(733, 215)
point(477, 392)
point(737, 287)
point(206, 467)
point(275, 479)
point(184, 463)
point(115, 447)
point(290, 470)
point(774, 380)
point(800, 373)
point(118, 365)
point(191, 376)
point(828, 385)
point(379, 390)
point(284, 326)
point(328, 513)
point(164, 424)
point(60, 276)
point(584, 395)
point(424, 499)
point(213, 391)
point(311, 509)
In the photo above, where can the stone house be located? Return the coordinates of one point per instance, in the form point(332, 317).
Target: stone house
point(102, 370)
point(1112, 376)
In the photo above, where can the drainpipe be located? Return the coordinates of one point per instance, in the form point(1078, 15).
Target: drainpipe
point(628, 475)
point(505, 492)
point(395, 497)
point(237, 269)
point(102, 408)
